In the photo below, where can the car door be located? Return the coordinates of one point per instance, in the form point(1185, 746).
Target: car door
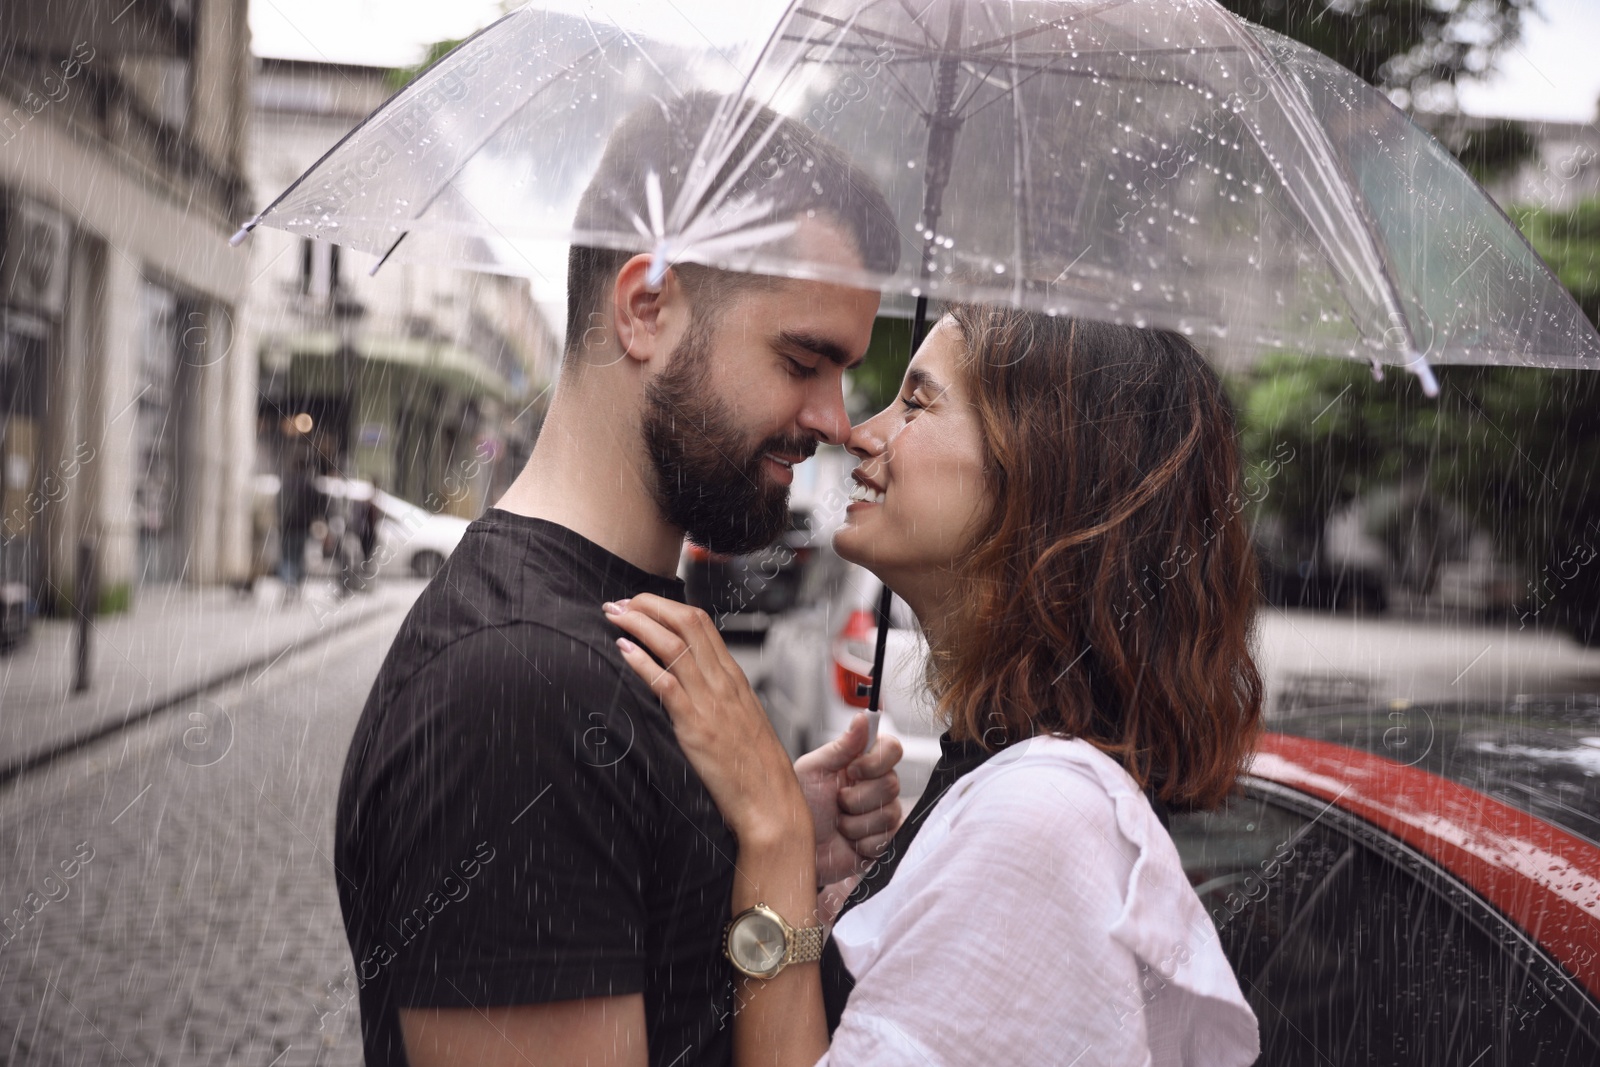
point(1354, 949)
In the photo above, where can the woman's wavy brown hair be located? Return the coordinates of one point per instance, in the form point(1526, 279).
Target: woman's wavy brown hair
point(1112, 591)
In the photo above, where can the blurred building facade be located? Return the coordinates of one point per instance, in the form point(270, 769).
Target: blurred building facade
point(1551, 165)
point(1564, 172)
point(426, 379)
point(125, 417)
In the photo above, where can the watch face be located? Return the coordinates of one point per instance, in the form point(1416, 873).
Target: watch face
point(756, 945)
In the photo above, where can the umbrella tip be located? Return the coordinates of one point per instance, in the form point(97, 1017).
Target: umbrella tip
point(660, 260)
point(244, 231)
point(1430, 384)
point(1377, 371)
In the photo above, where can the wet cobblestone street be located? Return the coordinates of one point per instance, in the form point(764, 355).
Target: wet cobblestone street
point(169, 895)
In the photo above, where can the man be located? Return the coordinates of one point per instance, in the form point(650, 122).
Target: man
point(298, 504)
point(529, 869)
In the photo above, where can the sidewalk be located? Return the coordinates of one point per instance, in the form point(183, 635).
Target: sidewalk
point(1312, 659)
point(177, 641)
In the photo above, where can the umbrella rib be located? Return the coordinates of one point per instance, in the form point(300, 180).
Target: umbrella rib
point(719, 194)
point(908, 94)
point(695, 187)
point(887, 64)
point(690, 193)
point(1053, 70)
point(1298, 111)
point(839, 23)
point(1020, 172)
point(341, 142)
point(916, 20)
point(978, 55)
point(973, 55)
point(372, 272)
point(513, 113)
point(645, 55)
point(901, 52)
point(594, 35)
point(1016, 85)
point(1053, 24)
point(837, 44)
point(721, 117)
point(978, 82)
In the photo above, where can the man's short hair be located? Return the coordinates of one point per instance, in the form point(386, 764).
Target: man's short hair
point(797, 170)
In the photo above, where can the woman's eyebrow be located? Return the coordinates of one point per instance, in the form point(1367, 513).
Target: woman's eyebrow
point(917, 378)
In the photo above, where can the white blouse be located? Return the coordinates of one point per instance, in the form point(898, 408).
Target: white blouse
point(1040, 916)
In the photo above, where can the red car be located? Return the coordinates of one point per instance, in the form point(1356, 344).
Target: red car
point(1415, 884)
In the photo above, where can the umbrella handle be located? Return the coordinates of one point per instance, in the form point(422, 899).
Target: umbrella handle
point(919, 331)
point(875, 694)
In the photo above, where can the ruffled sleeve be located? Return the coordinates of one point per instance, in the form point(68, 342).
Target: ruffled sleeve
point(1195, 1011)
point(1040, 916)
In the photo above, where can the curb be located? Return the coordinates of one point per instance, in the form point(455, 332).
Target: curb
point(16, 768)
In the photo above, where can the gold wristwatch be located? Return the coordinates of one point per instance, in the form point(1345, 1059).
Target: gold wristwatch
point(760, 944)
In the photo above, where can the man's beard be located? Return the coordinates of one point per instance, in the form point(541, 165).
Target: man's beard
point(709, 481)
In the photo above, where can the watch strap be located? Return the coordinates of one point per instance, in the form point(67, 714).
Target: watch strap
point(806, 946)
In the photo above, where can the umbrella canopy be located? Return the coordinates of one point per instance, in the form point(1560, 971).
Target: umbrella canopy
point(1154, 162)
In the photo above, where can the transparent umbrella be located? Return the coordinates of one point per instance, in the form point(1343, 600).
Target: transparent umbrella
point(1154, 162)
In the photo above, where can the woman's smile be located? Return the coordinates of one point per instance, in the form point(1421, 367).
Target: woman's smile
point(866, 491)
point(922, 476)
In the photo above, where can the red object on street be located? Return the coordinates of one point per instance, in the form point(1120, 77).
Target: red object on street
point(704, 555)
point(1541, 877)
point(852, 658)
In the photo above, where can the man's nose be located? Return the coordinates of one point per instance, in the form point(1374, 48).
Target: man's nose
point(824, 412)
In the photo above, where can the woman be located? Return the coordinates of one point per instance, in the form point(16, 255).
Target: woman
point(1058, 501)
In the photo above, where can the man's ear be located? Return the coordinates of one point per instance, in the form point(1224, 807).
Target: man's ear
point(644, 317)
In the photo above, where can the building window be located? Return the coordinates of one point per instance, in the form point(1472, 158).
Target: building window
point(319, 269)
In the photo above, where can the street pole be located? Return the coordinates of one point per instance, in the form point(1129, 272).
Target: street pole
point(85, 598)
point(347, 316)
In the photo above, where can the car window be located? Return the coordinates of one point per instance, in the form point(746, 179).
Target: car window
point(1353, 950)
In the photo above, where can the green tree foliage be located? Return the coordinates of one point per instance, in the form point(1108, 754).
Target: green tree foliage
point(877, 381)
point(1515, 449)
point(1413, 45)
point(400, 77)
point(1570, 242)
point(1344, 431)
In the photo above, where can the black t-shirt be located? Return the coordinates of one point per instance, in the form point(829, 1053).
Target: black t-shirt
point(516, 822)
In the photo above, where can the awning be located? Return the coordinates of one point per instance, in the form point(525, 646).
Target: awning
point(458, 369)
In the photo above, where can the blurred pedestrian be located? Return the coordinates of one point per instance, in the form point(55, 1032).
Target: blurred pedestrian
point(368, 519)
point(297, 510)
point(359, 539)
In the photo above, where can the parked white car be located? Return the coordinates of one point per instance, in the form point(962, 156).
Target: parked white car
point(411, 540)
